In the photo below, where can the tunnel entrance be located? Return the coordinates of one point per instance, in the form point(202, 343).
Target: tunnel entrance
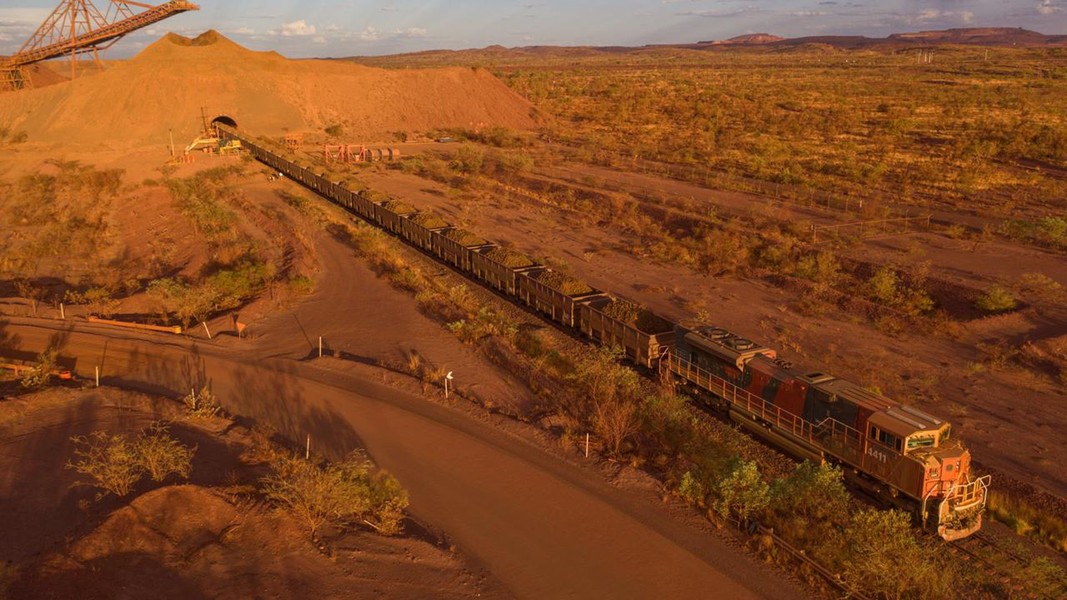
point(223, 120)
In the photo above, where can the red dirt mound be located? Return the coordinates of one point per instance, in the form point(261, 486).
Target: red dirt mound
point(165, 86)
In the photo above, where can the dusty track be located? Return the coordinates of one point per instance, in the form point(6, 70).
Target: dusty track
point(543, 527)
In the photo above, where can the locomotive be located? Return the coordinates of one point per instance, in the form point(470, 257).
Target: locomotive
point(901, 454)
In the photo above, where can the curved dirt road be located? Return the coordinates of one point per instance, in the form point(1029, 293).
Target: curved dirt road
point(543, 527)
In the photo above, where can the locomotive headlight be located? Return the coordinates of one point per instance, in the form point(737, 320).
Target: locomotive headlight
point(934, 473)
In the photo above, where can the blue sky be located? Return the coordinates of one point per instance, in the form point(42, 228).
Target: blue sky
point(334, 28)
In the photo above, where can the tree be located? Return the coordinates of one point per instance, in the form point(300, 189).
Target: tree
point(743, 492)
point(610, 391)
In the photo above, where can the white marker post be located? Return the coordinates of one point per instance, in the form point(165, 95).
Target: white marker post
point(97, 376)
point(307, 450)
point(320, 346)
point(62, 313)
point(447, 379)
point(587, 445)
point(206, 330)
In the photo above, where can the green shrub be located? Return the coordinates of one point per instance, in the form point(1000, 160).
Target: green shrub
point(338, 493)
point(41, 373)
point(110, 460)
point(996, 299)
point(116, 464)
point(743, 493)
point(161, 455)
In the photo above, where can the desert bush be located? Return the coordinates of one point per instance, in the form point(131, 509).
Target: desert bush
point(110, 460)
point(742, 493)
point(203, 198)
point(814, 492)
point(160, 454)
point(337, 493)
point(302, 285)
point(116, 464)
point(1028, 520)
point(97, 299)
point(606, 396)
point(335, 130)
point(41, 373)
point(1041, 287)
point(30, 291)
point(692, 490)
point(202, 404)
point(996, 299)
point(187, 302)
point(469, 159)
point(879, 552)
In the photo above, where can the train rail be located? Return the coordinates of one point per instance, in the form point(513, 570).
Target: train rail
point(906, 455)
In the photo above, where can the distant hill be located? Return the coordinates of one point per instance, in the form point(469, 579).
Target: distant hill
point(499, 55)
point(984, 36)
point(750, 39)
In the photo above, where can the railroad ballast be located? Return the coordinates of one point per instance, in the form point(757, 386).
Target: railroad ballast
point(904, 455)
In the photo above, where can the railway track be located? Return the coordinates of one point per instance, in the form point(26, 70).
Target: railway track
point(843, 423)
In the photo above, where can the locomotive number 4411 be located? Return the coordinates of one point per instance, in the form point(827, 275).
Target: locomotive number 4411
point(876, 453)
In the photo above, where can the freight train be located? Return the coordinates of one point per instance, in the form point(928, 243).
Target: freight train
point(903, 455)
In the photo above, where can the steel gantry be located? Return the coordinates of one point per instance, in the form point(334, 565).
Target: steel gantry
point(79, 27)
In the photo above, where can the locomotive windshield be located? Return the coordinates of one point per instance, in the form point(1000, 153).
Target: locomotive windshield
point(921, 441)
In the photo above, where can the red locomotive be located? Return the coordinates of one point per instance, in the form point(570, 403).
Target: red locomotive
point(900, 453)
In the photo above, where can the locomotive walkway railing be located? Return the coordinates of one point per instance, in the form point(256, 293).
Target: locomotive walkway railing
point(816, 434)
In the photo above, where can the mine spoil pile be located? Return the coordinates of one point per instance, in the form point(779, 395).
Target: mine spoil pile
point(173, 78)
point(563, 283)
point(509, 258)
point(464, 237)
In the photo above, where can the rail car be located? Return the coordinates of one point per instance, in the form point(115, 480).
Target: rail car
point(904, 455)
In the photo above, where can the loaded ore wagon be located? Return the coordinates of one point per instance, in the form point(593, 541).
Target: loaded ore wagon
point(500, 267)
point(455, 246)
point(642, 335)
point(417, 229)
point(554, 294)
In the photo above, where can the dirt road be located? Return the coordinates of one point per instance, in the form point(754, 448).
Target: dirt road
point(545, 528)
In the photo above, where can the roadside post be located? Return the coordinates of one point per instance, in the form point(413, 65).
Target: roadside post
point(448, 378)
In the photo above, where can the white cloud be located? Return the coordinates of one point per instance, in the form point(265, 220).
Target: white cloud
point(369, 34)
point(933, 14)
point(412, 32)
point(297, 28)
point(243, 31)
point(1047, 7)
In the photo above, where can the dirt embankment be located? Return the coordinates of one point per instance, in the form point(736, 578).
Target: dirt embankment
point(164, 88)
point(211, 537)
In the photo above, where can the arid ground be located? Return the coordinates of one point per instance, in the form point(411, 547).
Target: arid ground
point(887, 276)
